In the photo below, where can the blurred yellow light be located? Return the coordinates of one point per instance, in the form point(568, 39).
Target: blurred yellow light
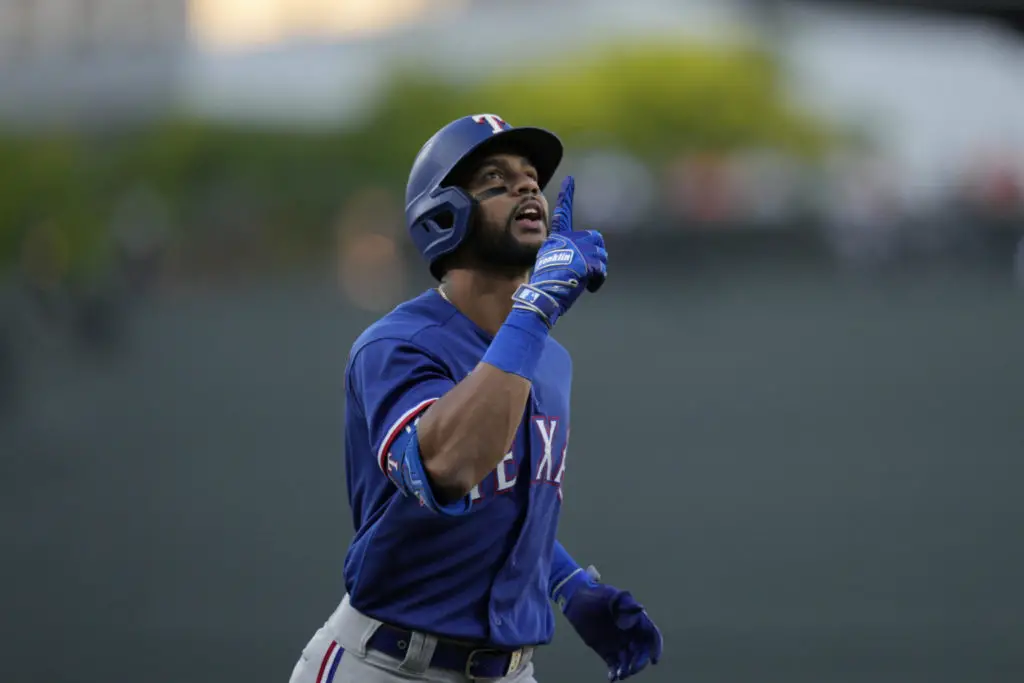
point(239, 23)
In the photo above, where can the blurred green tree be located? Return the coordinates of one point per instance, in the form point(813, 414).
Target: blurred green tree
point(653, 100)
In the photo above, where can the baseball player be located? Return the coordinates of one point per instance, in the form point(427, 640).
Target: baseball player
point(457, 432)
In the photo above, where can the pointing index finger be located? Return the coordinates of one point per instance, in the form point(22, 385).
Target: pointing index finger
point(561, 219)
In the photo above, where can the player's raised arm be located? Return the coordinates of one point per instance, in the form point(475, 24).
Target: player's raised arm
point(466, 433)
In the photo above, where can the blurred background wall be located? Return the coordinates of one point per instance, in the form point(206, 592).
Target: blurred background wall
point(814, 213)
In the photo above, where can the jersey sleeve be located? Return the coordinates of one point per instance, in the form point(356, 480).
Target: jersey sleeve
point(394, 381)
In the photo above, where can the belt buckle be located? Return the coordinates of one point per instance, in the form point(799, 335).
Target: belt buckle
point(515, 659)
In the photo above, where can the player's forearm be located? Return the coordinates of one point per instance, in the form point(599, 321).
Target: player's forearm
point(466, 433)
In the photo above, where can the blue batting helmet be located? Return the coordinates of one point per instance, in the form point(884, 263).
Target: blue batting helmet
point(438, 213)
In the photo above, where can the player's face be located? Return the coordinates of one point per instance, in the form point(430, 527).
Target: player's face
point(510, 226)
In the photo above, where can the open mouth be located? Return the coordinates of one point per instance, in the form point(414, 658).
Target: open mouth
point(530, 217)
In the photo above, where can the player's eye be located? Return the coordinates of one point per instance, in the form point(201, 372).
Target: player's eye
point(493, 175)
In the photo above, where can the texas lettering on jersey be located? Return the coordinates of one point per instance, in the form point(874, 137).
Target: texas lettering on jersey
point(553, 447)
point(549, 468)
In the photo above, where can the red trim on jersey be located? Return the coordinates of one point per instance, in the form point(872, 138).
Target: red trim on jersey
point(327, 658)
point(396, 429)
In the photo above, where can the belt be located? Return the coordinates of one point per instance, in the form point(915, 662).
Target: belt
point(472, 662)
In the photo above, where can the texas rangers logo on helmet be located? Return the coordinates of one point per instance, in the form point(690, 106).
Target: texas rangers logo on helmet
point(496, 123)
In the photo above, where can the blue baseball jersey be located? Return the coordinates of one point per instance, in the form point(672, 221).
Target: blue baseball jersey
point(480, 570)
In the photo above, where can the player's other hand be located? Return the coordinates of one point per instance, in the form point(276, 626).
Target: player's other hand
point(613, 624)
point(567, 263)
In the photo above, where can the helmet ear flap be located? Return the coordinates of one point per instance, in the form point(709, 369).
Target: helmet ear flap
point(442, 220)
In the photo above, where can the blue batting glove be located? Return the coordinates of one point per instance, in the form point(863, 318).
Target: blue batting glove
point(567, 263)
point(612, 623)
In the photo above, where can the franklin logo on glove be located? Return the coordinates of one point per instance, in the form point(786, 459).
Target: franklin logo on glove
point(561, 257)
